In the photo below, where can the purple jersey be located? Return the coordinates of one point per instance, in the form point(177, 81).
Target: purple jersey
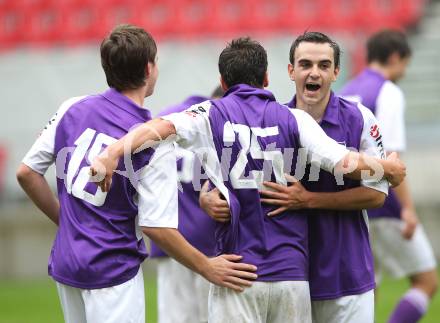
point(241, 138)
point(365, 88)
point(341, 261)
point(97, 244)
point(194, 224)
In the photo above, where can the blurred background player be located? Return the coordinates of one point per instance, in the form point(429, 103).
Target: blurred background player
point(341, 263)
point(255, 128)
point(182, 295)
point(399, 243)
point(98, 249)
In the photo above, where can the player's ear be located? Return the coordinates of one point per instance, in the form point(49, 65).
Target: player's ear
point(223, 84)
point(336, 73)
point(266, 80)
point(291, 71)
point(147, 70)
point(393, 59)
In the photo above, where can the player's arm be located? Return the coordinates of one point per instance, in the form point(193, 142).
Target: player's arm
point(36, 187)
point(370, 195)
point(224, 270)
point(30, 173)
point(158, 217)
point(214, 203)
point(190, 129)
point(335, 158)
point(147, 135)
point(390, 112)
point(408, 213)
point(295, 197)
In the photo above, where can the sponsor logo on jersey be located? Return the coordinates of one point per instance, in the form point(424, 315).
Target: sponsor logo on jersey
point(374, 131)
point(195, 111)
point(375, 134)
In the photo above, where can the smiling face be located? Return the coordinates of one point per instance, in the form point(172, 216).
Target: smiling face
point(313, 71)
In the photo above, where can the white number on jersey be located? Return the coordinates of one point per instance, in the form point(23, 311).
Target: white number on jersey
point(82, 146)
point(248, 139)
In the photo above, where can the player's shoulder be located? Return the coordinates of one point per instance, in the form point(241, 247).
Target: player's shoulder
point(297, 116)
point(349, 110)
point(66, 105)
point(182, 106)
point(201, 108)
point(367, 114)
point(391, 90)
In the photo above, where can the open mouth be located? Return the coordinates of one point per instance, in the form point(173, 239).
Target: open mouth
point(312, 87)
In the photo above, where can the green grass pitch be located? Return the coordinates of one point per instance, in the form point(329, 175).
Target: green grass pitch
point(37, 301)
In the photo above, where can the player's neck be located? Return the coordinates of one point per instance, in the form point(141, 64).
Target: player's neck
point(137, 96)
point(379, 68)
point(315, 110)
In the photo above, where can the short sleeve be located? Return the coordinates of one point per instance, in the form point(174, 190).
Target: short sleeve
point(193, 132)
point(321, 149)
point(157, 189)
point(192, 126)
point(371, 144)
point(41, 155)
point(390, 113)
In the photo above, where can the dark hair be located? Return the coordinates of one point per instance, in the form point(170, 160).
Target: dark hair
point(243, 61)
point(383, 44)
point(218, 92)
point(124, 55)
point(316, 37)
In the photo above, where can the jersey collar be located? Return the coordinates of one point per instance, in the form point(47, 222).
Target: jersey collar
point(331, 114)
point(244, 91)
point(126, 104)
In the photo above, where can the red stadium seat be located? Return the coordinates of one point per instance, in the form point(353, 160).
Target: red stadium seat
point(12, 24)
point(156, 16)
point(40, 22)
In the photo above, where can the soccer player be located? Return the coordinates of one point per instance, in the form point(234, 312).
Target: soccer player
point(237, 137)
point(98, 248)
point(399, 243)
point(341, 263)
point(175, 281)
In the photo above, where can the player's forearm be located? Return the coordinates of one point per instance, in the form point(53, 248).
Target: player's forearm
point(147, 135)
point(356, 166)
point(38, 190)
point(361, 166)
point(403, 195)
point(357, 198)
point(175, 245)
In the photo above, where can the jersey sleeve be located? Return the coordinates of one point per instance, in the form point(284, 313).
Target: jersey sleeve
point(157, 189)
point(371, 144)
point(41, 155)
point(193, 128)
point(321, 149)
point(390, 112)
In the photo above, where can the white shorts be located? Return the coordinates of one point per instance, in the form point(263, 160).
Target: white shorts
point(394, 254)
point(346, 309)
point(124, 303)
point(274, 302)
point(182, 295)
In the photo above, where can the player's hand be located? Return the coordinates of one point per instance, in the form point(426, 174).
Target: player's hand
point(102, 169)
point(213, 204)
point(227, 271)
point(291, 197)
point(397, 170)
point(410, 220)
